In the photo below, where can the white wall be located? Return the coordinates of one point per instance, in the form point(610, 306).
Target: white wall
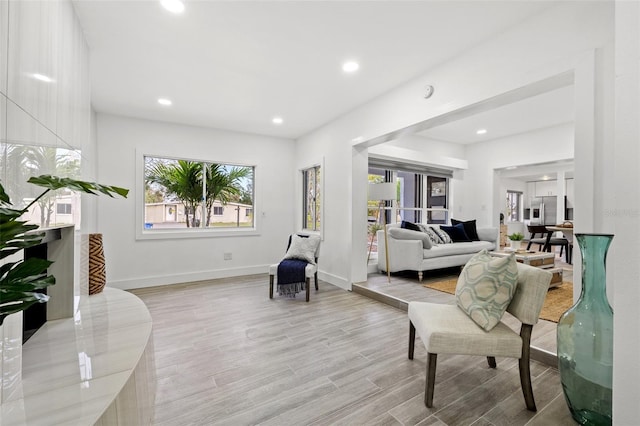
point(485, 204)
point(135, 263)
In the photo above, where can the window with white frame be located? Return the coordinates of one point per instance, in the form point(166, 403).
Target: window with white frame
point(194, 187)
point(311, 184)
point(63, 208)
point(514, 204)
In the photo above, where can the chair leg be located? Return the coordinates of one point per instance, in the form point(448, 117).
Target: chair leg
point(270, 286)
point(431, 379)
point(420, 275)
point(412, 339)
point(524, 367)
point(308, 286)
point(315, 277)
point(491, 360)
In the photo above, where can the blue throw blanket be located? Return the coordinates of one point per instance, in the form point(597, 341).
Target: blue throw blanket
point(291, 277)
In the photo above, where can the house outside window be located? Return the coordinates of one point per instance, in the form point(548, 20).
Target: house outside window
point(181, 193)
point(514, 203)
point(311, 185)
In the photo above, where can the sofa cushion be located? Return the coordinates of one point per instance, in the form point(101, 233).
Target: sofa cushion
point(457, 248)
point(456, 233)
point(433, 236)
point(410, 225)
point(408, 234)
point(485, 288)
point(446, 239)
point(469, 228)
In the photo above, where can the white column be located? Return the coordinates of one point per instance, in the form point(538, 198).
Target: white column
point(624, 213)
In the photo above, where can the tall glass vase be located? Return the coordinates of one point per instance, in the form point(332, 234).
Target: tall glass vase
point(585, 339)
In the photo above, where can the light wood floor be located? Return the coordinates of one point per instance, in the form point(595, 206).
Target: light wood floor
point(226, 354)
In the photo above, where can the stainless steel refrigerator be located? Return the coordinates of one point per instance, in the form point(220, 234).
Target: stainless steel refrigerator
point(544, 210)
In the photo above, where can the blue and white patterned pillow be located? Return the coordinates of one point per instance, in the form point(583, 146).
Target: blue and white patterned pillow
point(485, 288)
point(446, 238)
point(431, 234)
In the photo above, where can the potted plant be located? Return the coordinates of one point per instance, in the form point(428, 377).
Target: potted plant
point(516, 240)
point(20, 280)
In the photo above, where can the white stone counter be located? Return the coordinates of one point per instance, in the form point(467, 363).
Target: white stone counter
point(95, 368)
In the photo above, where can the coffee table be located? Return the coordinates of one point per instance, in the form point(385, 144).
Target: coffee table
point(539, 259)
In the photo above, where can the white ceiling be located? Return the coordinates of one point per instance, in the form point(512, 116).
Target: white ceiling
point(236, 64)
point(530, 114)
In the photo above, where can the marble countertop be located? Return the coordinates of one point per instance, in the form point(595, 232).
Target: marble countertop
point(74, 368)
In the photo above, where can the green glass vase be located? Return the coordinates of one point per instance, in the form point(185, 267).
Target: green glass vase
point(585, 339)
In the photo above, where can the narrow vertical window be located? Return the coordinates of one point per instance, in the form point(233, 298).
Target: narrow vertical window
point(311, 184)
point(514, 200)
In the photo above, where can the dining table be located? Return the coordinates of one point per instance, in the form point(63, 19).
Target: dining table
point(567, 231)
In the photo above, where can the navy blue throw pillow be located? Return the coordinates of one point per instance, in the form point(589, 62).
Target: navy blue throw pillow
point(456, 233)
point(410, 225)
point(469, 228)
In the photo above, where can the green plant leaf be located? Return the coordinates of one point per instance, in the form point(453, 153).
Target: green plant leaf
point(53, 183)
point(3, 196)
point(28, 268)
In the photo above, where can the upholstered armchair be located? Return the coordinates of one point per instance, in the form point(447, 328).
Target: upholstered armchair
point(447, 329)
point(305, 247)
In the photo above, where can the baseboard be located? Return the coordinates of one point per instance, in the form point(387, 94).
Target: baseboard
point(165, 279)
point(335, 280)
point(143, 282)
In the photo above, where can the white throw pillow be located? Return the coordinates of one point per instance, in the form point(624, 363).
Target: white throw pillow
point(303, 248)
point(485, 288)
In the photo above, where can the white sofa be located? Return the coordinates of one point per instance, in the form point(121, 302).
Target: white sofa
point(410, 255)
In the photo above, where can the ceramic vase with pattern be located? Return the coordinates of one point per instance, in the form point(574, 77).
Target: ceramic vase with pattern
point(97, 270)
point(585, 339)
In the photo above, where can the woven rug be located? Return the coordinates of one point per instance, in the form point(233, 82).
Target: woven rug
point(558, 300)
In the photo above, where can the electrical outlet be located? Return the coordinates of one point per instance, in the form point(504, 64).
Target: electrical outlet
point(227, 256)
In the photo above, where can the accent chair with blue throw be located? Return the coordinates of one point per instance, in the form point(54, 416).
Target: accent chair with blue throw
point(300, 263)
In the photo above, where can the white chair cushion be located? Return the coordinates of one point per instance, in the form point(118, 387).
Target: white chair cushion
point(445, 329)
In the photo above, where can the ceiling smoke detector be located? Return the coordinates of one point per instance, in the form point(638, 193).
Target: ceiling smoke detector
point(428, 91)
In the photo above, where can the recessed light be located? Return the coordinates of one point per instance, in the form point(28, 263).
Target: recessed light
point(164, 101)
point(277, 120)
point(42, 77)
point(173, 6)
point(351, 66)
point(481, 131)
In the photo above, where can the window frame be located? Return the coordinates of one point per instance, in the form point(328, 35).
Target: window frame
point(302, 191)
point(518, 208)
point(58, 205)
point(179, 233)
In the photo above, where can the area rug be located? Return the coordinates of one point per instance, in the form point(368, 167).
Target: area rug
point(558, 300)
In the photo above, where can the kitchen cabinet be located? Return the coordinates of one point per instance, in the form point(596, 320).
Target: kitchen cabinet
point(545, 188)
